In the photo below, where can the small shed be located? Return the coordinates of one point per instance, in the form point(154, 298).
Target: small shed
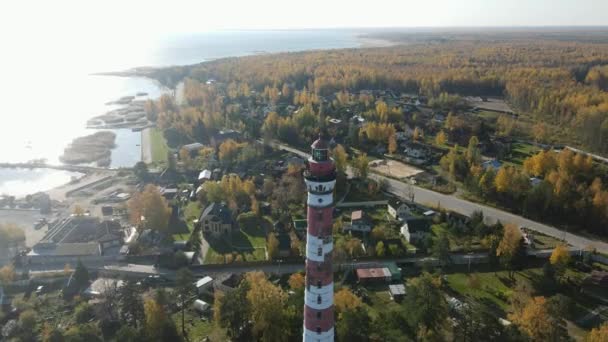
point(300, 225)
point(373, 275)
point(203, 284)
point(201, 306)
point(205, 175)
point(397, 291)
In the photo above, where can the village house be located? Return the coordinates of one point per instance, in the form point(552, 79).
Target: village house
point(359, 222)
point(216, 220)
point(204, 176)
point(193, 148)
point(398, 209)
point(203, 284)
point(416, 229)
point(415, 152)
point(491, 164)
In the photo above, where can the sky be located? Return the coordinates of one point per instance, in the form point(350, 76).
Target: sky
point(136, 17)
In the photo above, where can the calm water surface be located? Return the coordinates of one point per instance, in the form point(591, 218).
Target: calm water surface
point(48, 104)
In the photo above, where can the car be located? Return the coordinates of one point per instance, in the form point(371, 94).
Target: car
point(40, 290)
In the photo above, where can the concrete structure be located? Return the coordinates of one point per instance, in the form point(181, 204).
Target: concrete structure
point(320, 178)
point(79, 238)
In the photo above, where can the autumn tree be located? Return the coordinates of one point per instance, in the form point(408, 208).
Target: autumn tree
point(560, 258)
point(441, 138)
point(7, 274)
point(149, 209)
point(360, 166)
point(268, 312)
point(272, 245)
point(510, 248)
point(418, 134)
point(155, 317)
point(228, 151)
point(345, 300)
point(392, 144)
point(380, 249)
point(536, 320)
point(473, 154)
point(599, 334)
point(340, 158)
point(296, 281)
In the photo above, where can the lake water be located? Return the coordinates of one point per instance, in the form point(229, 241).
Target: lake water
point(49, 91)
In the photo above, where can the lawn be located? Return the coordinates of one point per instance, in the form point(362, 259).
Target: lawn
point(198, 327)
point(358, 194)
point(159, 146)
point(457, 244)
point(519, 152)
point(246, 244)
point(191, 212)
point(493, 288)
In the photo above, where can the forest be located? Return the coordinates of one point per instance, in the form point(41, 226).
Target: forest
point(556, 88)
point(559, 82)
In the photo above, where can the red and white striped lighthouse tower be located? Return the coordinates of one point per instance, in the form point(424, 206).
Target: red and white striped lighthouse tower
point(320, 180)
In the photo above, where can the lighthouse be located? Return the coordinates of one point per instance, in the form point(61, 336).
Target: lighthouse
point(320, 178)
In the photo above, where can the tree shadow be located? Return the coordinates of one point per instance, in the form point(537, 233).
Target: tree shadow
point(178, 226)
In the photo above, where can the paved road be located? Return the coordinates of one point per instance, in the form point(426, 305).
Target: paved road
point(428, 197)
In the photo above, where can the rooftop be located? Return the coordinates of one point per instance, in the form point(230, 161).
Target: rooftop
point(373, 273)
point(204, 281)
point(397, 290)
point(219, 210)
point(356, 215)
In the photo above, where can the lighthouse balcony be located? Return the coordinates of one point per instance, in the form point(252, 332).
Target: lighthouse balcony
point(312, 176)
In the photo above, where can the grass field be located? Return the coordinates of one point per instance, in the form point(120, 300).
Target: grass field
point(191, 212)
point(519, 152)
point(159, 146)
point(198, 327)
point(248, 245)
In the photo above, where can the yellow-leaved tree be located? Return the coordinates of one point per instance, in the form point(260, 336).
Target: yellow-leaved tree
point(509, 247)
point(560, 258)
point(340, 158)
point(599, 334)
point(296, 281)
point(345, 300)
point(149, 209)
point(268, 313)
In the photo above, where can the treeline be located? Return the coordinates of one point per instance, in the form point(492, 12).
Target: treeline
point(562, 188)
point(559, 82)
